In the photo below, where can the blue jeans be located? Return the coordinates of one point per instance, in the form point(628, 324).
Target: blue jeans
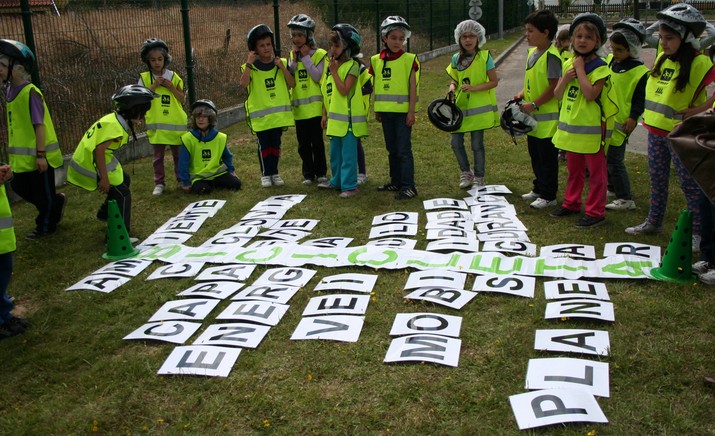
point(457, 142)
point(617, 172)
point(6, 305)
point(343, 162)
point(398, 141)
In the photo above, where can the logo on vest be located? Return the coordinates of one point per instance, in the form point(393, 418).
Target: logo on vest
point(466, 81)
point(329, 89)
point(165, 100)
point(667, 74)
point(386, 73)
point(206, 154)
point(270, 83)
point(573, 92)
point(302, 74)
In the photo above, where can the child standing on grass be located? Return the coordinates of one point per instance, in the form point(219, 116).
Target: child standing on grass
point(93, 163)
point(166, 120)
point(396, 75)
point(344, 112)
point(205, 162)
point(628, 76)
point(32, 143)
point(474, 77)
point(268, 107)
point(543, 70)
point(9, 325)
point(675, 90)
point(584, 121)
point(306, 63)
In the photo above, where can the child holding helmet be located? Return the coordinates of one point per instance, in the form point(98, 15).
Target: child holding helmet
point(543, 70)
point(585, 121)
point(166, 120)
point(268, 106)
point(344, 111)
point(205, 162)
point(474, 77)
point(33, 149)
point(306, 63)
point(396, 74)
point(675, 90)
point(628, 75)
point(93, 163)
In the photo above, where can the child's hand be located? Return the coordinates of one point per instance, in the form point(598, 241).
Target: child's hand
point(629, 126)
point(570, 74)
point(333, 65)
point(410, 120)
point(41, 164)
point(324, 122)
point(251, 57)
point(278, 63)
point(467, 88)
point(5, 173)
point(103, 185)
point(579, 63)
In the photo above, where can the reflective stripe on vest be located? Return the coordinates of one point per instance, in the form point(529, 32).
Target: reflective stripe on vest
point(392, 98)
point(536, 81)
point(479, 108)
point(268, 105)
point(22, 143)
point(306, 96)
point(166, 119)
point(6, 223)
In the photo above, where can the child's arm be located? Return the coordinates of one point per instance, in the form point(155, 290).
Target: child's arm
point(345, 86)
point(168, 84)
point(5, 173)
point(246, 75)
point(101, 163)
point(568, 76)
point(410, 120)
point(290, 80)
point(590, 91)
point(40, 144)
point(689, 112)
point(545, 96)
point(492, 83)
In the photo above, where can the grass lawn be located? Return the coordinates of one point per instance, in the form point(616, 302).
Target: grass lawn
point(72, 373)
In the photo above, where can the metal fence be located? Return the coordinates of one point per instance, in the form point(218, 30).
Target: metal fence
point(91, 48)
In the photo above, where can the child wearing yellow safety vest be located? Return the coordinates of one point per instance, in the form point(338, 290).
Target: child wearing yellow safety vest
point(543, 70)
point(205, 162)
point(268, 107)
point(307, 63)
point(344, 111)
point(32, 143)
point(585, 121)
point(474, 77)
point(166, 120)
point(396, 75)
point(94, 166)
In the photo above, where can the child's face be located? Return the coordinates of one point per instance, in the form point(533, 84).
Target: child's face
point(394, 40)
point(264, 49)
point(584, 41)
point(469, 41)
point(156, 61)
point(670, 41)
point(535, 37)
point(336, 49)
point(298, 38)
point(620, 53)
point(202, 121)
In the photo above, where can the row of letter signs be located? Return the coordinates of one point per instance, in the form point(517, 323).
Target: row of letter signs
point(561, 389)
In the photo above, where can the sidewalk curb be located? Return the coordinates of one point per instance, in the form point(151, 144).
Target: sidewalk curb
point(509, 51)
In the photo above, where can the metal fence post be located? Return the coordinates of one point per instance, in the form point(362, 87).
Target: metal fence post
point(335, 10)
point(276, 25)
point(407, 17)
point(377, 26)
point(431, 30)
point(187, 48)
point(30, 39)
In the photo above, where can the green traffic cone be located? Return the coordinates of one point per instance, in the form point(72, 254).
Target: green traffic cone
point(118, 244)
point(676, 265)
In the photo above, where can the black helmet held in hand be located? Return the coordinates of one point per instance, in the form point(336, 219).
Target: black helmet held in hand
point(445, 115)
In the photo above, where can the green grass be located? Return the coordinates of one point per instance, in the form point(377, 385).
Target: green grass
point(72, 373)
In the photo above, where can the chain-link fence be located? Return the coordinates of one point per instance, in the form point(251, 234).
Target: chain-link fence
point(92, 47)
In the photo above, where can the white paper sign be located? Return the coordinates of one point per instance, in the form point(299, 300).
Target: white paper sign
point(286, 276)
point(440, 278)
point(176, 270)
point(426, 323)
point(467, 245)
point(261, 312)
point(407, 244)
point(521, 286)
point(391, 230)
point(334, 242)
point(504, 236)
point(165, 238)
point(209, 207)
point(561, 289)
point(278, 294)
point(200, 360)
point(594, 342)
point(305, 225)
point(244, 335)
point(568, 373)
point(465, 225)
point(644, 251)
point(444, 203)
point(454, 298)
point(444, 215)
point(508, 225)
point(574, 251)
point(510, 246)
point(219, 290)
point(348, 282)
point(105, 283)
point(125, 267)
point(555, 406)
point(449, 233)
point(396, 218)
point(584, 308)
point(337, 304)
point(425, 348)
point(341, 328)
point(192, 309)
point(176, 332)
point(291, 235)
point(232, 272)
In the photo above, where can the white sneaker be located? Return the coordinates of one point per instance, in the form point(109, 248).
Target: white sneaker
point(696, 243)
point(158, 189)
point(708, 277)
point(322, 179)
point(620, 204)
point(530, 196)
point(362, 178)
point(466, 179)
point(276, 179)
point(644, 228)
point(307, 182)
point(478, 182)
point(610, 194)
point(701, 267)
point(540, 203)
point(266, 181)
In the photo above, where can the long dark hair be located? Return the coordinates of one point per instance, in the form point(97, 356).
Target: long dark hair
point(684, 56)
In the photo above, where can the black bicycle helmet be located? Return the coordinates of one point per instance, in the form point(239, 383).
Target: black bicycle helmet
point(595, 20)
point(259, 32)
point(350, 36)
point(445, 115)
point(203, 102)
point(634, 26)
point(302, 21)
point(685, 14)
point(510, 124)
point(150, 44)
point(130, 96)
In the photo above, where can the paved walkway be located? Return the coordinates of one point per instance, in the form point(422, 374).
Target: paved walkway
point(511, 74)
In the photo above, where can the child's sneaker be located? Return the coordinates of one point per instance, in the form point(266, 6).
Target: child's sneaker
point(307, 181)
point(158, 189)
point(348, 194)
point(266, 181)
point(406, 194)
point(324, 184)
point(586, 222)
point(701, 267)
point(276, 179)
point(362, 178)
point(530, 196)
point(322, 179)
point(621, 204)
point(13, 327)
point(541, 203)
point(708, 277)
point(644, 228)
point(388, 187)
point(466, 179)
point(478, 182)
point(562, 212)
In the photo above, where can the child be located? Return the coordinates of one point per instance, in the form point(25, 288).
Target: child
point(344, 112)
point(9, 325)
point(268, 107)
point(628, 76)
point(582, 133)
point(563, 43)
point(306, 63)
point(33, 149)
point(204, 160)
point(543, 70)
point(166, 120)
point(674, 91)
point(396, 75)
point(474, 77)
point(93, 163)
